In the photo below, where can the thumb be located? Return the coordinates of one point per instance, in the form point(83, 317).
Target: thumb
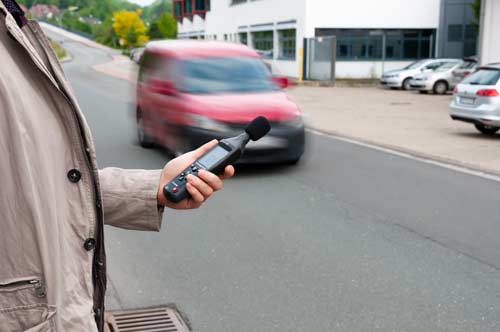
point(204, 149)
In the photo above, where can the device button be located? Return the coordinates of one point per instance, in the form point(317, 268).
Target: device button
point(74, 175)
point(181, 178)
point(89, 244)
point(175, 189)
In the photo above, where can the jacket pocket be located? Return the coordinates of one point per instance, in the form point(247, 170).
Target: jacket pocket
point(24, 307)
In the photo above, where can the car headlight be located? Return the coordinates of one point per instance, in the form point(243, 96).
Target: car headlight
point(200, 121)
point(297, 121)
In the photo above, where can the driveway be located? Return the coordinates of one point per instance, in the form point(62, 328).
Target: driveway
point(401, 120)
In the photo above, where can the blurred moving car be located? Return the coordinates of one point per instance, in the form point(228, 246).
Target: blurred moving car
point(468, 66)
point(190, 92)
point(136, 54)
point(400, 78)
point(477, 99)
point(440, 80)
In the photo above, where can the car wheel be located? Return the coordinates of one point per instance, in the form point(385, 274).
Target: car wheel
point(144, 140)
point(440, 88)
point(485, 129)
point(406, 84)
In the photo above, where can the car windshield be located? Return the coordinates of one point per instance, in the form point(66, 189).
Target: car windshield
point(416, 64)
point(467, 65)
point(225, 75)
point(483, 77)
point(446, 66)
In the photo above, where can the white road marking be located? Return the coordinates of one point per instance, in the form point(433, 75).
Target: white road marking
point(456, 168)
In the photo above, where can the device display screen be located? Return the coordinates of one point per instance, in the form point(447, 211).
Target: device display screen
point(213, 157)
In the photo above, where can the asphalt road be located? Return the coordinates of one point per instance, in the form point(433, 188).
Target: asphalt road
point(351, 239)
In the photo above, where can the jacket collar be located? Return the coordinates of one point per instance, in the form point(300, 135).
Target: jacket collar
point(16, 32)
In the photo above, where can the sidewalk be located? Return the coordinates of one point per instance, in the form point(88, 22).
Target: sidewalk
point(400, 120)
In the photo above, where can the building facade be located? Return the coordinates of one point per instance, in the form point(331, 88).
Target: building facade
point(371, 36)
point(489, 44)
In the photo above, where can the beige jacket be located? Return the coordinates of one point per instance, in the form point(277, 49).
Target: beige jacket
point(53, 199)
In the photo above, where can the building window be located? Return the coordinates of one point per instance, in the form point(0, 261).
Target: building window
point(455, 33)
point(243, 37)
point(188, 8)
point(263, 42)
point(178, 9)
point(367, 44)
point(287, 40)
point(199, 5)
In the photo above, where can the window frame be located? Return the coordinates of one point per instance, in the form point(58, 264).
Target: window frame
point(284, 39)
point(257, 39)
point(398, 39)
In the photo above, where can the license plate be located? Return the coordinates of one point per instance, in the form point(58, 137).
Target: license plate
point(268, 143)
point(467, 101)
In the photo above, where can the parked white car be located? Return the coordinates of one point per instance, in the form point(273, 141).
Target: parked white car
point(469, 66)
point(439, 80)
point(477, 99)
point(401, 78)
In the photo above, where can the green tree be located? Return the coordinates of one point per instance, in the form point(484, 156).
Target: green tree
point(105, 34)
point(476, 10)
point(164, 27)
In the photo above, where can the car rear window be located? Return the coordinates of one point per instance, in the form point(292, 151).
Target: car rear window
point(483, 77)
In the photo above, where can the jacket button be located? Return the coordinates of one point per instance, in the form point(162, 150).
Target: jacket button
point(89, 244)
point(74, 175)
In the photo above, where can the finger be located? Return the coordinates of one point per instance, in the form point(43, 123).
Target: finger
point(204, 188)
point(203, 149)
point(228, 173)
point(211, 179)
point(195, 194)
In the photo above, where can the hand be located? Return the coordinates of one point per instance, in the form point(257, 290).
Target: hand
point(199, 187)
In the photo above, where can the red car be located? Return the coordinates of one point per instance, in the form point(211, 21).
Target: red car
point(190, 92)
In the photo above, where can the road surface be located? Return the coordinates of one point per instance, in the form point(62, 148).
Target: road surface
point(350, 239)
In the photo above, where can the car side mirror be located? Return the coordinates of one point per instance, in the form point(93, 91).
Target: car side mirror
point(281, 81)
point(163, 87)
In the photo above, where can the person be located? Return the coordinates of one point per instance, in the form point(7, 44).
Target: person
point(54, 200)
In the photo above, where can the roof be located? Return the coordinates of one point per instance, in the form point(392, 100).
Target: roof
point(186, 48)
point(492, 66)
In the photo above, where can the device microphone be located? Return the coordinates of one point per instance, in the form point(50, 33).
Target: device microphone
point(228, 151)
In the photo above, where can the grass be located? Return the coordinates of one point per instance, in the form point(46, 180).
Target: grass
point(60, 51)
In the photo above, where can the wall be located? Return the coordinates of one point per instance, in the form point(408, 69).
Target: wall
point(379, 14)
point(489, 49)
point(458, 14)
point(252, 16)
point(366, 69)
point(311, 14)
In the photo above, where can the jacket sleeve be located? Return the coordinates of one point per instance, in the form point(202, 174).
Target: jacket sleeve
point(129, 198)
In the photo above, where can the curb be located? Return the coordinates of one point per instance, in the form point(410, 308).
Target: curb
point(412, 153)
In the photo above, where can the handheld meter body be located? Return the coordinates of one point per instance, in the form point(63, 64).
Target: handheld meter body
point(228, 151)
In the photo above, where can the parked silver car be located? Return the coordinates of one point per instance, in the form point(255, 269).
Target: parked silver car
point(439, 80)
point(469, 66)
point(477, 99)
point(401, 78)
